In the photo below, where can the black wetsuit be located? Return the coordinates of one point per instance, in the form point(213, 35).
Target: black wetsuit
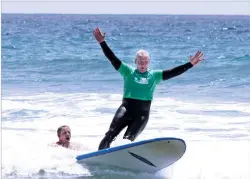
point(132, 113)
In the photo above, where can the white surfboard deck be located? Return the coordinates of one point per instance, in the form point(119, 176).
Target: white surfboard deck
point(143, 156)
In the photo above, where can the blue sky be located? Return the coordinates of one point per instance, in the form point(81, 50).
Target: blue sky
point(224, 7)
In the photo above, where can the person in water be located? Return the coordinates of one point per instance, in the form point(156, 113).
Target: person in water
point(64, 136)
point(139, 87)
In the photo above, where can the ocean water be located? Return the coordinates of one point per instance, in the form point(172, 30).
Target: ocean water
point(55, 73)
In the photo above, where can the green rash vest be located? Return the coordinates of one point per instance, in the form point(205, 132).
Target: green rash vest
point(139, 85)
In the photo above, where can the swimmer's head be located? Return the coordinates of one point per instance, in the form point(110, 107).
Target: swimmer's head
point(142, 60)
point(64, 134)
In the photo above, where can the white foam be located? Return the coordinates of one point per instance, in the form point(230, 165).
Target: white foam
point(89, 116)
point(217, 160)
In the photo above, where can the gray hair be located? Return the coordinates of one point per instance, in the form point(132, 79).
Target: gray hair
point(141, 53)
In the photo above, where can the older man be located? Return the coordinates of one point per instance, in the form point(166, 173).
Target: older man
point(139, 87)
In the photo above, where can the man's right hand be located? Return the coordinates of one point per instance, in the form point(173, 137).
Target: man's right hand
point(99, 36)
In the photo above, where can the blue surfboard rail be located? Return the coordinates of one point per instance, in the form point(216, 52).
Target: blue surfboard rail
point(113, 149)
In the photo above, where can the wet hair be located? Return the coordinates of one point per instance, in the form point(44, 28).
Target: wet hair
point(60, 129)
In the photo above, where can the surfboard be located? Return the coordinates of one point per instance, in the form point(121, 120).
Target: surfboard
point(144, 156)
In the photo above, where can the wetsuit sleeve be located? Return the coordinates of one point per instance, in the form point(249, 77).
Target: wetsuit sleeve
point(110, 55)
point(167, 74)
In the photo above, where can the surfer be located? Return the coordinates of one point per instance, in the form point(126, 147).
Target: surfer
point(139, 86)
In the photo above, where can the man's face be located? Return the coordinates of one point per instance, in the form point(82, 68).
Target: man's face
point(142, 63)
point(65, 135)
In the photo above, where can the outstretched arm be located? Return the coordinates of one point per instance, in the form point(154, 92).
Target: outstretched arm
point(167, 74)
point(116, 62)
point(100, 37)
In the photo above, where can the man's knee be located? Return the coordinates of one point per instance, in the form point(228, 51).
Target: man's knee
point(120, 113)
point(129, 137)
point(135, 129)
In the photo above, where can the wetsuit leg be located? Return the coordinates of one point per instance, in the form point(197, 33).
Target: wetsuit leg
point(139, 122)
point(119, 122)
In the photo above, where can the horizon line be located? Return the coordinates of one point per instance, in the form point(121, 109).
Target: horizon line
point(190, 14)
